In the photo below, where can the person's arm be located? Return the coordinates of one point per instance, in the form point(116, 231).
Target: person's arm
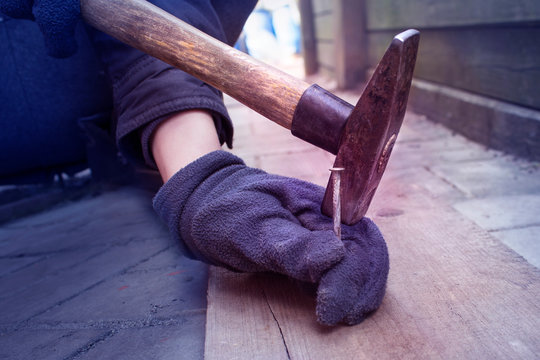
point(147, 91)
point(181, 139)
point(225, 212)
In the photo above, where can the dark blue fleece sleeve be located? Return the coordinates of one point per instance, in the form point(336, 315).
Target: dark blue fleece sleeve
point(147, 90)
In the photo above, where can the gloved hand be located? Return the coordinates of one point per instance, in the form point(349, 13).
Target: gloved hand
point(56, 19)
point(355, 287)
point(244, 219)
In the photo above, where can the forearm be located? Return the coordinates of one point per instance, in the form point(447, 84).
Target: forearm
point(181, 139)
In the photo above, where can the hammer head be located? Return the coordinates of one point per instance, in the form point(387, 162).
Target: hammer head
point(372, 127)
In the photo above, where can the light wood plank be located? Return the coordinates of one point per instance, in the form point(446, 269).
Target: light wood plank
point(239, 323)
point(453, 292)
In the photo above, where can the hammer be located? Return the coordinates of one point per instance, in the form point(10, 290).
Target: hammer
point(361, 136)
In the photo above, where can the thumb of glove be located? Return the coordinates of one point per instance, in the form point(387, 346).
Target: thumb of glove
point(57, 20)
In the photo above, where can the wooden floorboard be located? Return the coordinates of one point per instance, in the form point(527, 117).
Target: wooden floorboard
point(453, 292)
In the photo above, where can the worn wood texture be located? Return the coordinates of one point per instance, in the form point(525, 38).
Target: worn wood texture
point(398, 14)
point(138, 23)
point(503, 63)
point(247, 317)
point(453, 292)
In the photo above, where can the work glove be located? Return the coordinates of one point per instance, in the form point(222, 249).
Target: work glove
point(244, 219)
point(56, 20)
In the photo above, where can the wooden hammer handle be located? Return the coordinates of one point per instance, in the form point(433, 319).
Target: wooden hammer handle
point(138, 23)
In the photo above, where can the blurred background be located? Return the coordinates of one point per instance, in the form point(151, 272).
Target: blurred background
point(478, 67)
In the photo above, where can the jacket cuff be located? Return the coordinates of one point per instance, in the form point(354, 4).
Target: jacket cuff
point(151, 91)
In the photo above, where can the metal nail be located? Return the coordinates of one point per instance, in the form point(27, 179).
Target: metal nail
point(336, 199)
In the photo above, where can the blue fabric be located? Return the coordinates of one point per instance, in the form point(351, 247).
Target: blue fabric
point(41, 97)
point(244, 219)
point(56, 19)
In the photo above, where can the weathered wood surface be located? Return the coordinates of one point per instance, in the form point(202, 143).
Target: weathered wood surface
point(503, 63)
point(453, 292)
point(397, 14)
point(146, 27)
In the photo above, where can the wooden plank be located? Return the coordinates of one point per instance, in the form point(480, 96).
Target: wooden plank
point(240, 325)
point(395, 14)
point(453, 292)
point(503, 63)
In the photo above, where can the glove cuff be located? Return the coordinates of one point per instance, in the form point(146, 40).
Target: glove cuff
point(170, 201)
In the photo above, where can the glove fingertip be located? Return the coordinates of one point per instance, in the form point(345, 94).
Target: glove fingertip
point(327, 312)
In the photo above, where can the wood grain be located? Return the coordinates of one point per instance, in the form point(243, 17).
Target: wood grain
point(453, 292)
point(138, 23)
point(247, 328)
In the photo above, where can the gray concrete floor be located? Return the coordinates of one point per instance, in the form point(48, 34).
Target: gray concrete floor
point(100, 278)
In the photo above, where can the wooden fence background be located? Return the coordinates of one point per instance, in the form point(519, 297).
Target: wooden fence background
point(478, 69)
